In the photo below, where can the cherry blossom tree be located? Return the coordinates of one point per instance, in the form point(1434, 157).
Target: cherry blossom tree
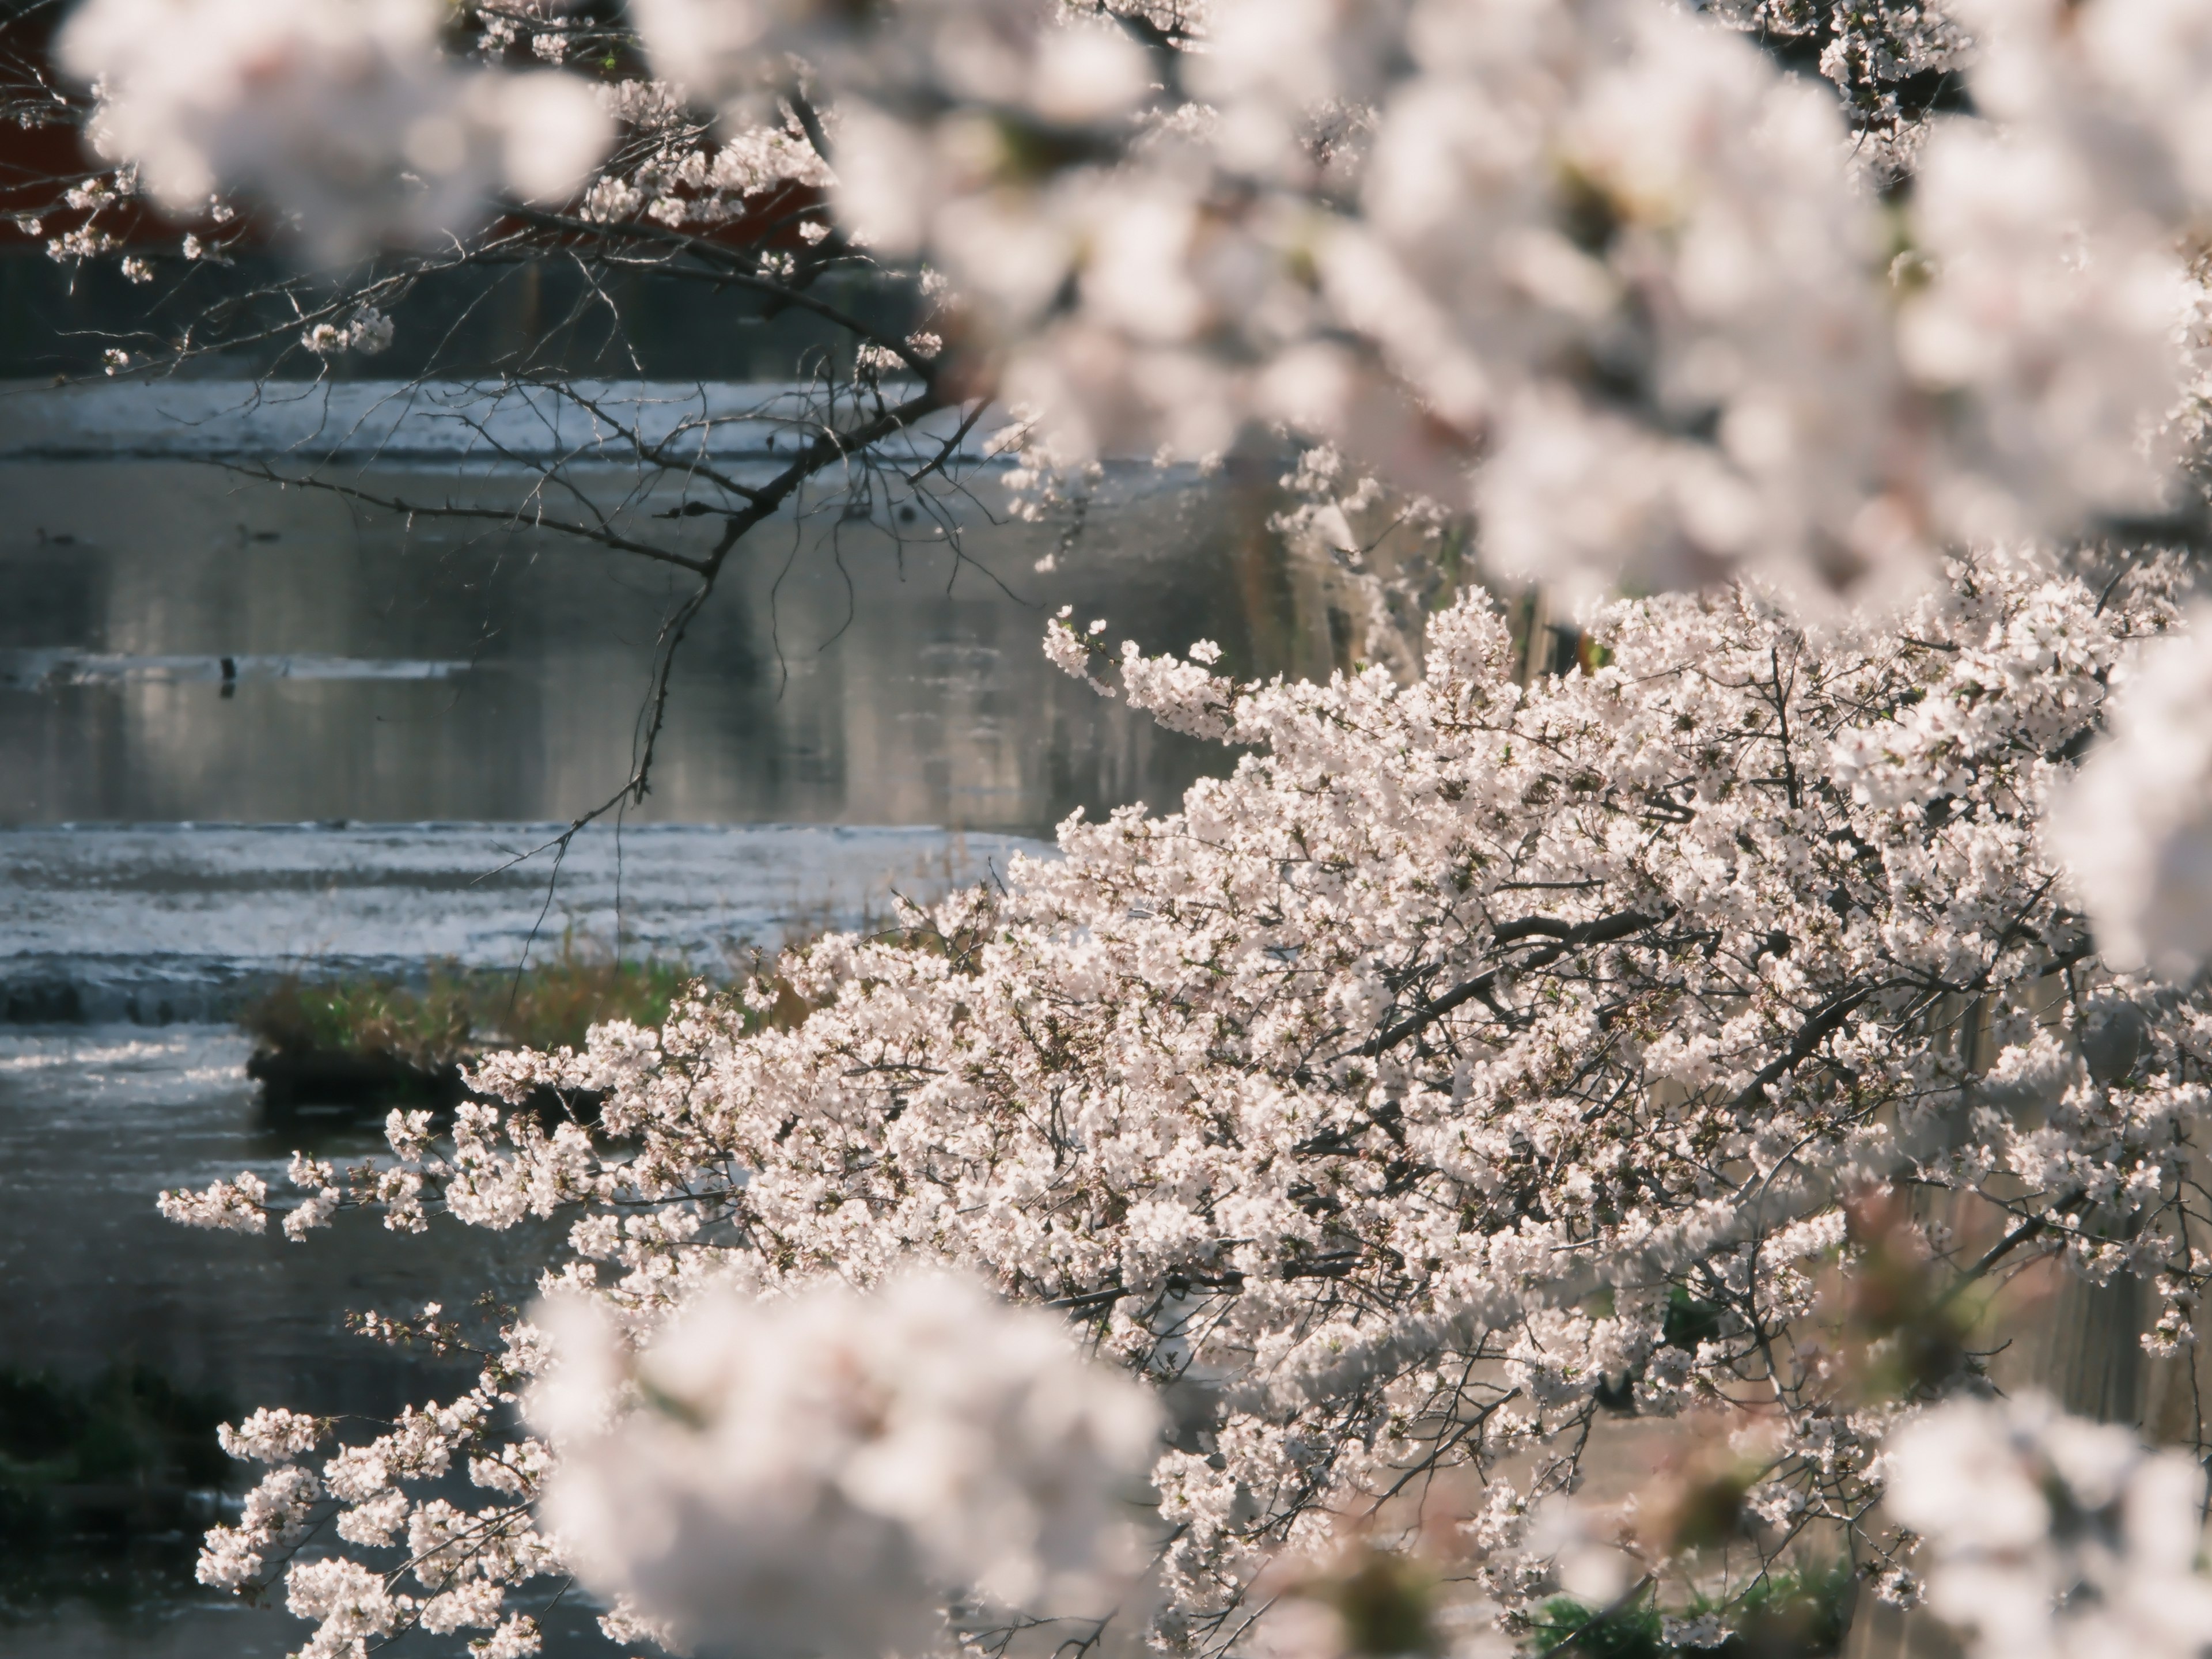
point(1698, 1036)
point(1490, 1067)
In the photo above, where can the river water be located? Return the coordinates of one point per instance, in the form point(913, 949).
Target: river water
point(388, 668)
point(247, 731)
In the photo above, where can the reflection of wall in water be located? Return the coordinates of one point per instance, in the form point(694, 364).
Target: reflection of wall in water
point(834, 676)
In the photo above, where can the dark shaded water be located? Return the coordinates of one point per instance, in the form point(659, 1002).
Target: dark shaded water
point(93, 1121)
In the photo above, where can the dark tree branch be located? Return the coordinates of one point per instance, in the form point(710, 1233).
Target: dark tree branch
point(1574, 936)
point(1816, 1029)
point(496, 514)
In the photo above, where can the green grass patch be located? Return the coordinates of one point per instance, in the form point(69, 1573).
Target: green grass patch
point(457, 1012)
point(1630, 1632)
point(1793, 1613)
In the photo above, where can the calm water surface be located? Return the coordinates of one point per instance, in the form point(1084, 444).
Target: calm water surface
point(387, 672)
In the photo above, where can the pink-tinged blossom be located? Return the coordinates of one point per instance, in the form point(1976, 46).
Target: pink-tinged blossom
point(316, 1178)
point(272, 1435)
point(351, 1605)
point(516, 1637)
point(273, 1518)
point(237, 1207)
point(814, 1472)
point(474, 1604)
point(2134, 828)
point(2045, 1536)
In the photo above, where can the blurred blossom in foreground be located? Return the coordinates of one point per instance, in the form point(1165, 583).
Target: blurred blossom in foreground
point(2048, 1535)
point(1598, 271)
point(342, 114)
point(1365, 1602)
point(812, 1474)
point(2134, 827)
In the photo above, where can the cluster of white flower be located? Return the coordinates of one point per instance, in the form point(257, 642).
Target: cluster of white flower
point(2047, 1537)
point(1890, 59)
point(273, 1517)
point(235, 1206)
point(815, 1473)
point(463, 1561)
point(343, 115)
point(1600, 271)
point(2136, 830)
point(367, 330)
point(272, 1435)
point(671, 170)
point(1479, 1057)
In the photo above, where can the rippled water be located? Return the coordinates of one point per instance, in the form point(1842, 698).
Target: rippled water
point(163, 922)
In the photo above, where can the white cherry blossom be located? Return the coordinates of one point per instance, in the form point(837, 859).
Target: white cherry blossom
point(813, 1473)
point(1388, 1105)
point(2135, 828)
point(2048, 1537)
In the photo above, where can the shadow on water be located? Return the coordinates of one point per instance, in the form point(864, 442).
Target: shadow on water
point(104, 1482)
point(116, 1469)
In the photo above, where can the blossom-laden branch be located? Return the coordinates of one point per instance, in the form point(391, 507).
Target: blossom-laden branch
point(1766, 942)
point(463, 1561)
point(1605, 272)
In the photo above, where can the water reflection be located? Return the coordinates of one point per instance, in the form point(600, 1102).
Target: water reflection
point(47, 671)
point(181, 645)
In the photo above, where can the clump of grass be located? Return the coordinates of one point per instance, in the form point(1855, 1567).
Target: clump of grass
point(1793, 1613)
point(426, 1028)
point(457, 1012)
point(553, 1003)
point(1804, 1610)
point(1629, 1632)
